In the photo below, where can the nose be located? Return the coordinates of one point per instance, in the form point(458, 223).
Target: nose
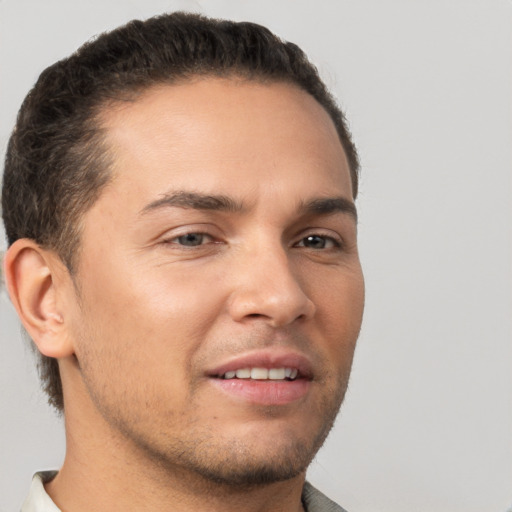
point(266, 287)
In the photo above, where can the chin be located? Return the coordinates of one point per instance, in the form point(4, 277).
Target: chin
point(244, 470)
point(248, 461)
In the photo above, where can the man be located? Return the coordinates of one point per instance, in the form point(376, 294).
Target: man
point(178, 199)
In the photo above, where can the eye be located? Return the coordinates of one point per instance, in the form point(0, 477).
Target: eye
point(191, 239)
point(318, 242)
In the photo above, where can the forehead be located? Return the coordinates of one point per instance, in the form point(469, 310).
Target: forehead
point(226, 136)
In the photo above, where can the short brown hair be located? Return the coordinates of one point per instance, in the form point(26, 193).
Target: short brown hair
point(56, 164)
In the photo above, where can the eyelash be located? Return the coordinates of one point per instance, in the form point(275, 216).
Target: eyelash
point(328, 240)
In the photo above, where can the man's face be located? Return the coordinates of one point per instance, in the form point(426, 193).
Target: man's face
point(220, 288)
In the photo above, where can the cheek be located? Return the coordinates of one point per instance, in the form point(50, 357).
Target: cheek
point(340, 304)
point(152, 316)
point(184, 304)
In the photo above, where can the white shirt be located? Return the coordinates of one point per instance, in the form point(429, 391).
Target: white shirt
point(37, 499)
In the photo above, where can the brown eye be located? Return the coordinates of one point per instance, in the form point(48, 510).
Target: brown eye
point(318, 242)
point(315, 242)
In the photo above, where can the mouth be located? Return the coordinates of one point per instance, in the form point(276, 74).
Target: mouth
point(260, 373)
point(264, 378)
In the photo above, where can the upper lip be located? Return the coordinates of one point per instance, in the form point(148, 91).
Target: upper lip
point(265, 359)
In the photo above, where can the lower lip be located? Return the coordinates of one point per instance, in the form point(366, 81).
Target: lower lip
point(264, 392)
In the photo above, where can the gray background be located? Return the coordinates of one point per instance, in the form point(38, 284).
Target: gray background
point(427, 87)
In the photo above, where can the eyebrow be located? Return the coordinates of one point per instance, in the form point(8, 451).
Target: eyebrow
point(197, 201)
point(330, 205)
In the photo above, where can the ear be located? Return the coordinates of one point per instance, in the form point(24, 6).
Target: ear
point(33, 275)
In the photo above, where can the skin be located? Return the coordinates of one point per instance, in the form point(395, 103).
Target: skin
point(146, 318)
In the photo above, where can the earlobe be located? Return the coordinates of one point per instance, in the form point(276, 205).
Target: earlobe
point(32, 285)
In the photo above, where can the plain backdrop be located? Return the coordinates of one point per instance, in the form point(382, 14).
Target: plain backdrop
point(427, 88)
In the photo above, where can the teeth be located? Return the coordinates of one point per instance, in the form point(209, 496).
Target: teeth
point(244, 373)
point(277, 373)
point(259, 373)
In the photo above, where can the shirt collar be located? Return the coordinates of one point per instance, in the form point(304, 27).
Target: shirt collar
point(38, 499)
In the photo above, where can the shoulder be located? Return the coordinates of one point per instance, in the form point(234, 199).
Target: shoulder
point(315, 501)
